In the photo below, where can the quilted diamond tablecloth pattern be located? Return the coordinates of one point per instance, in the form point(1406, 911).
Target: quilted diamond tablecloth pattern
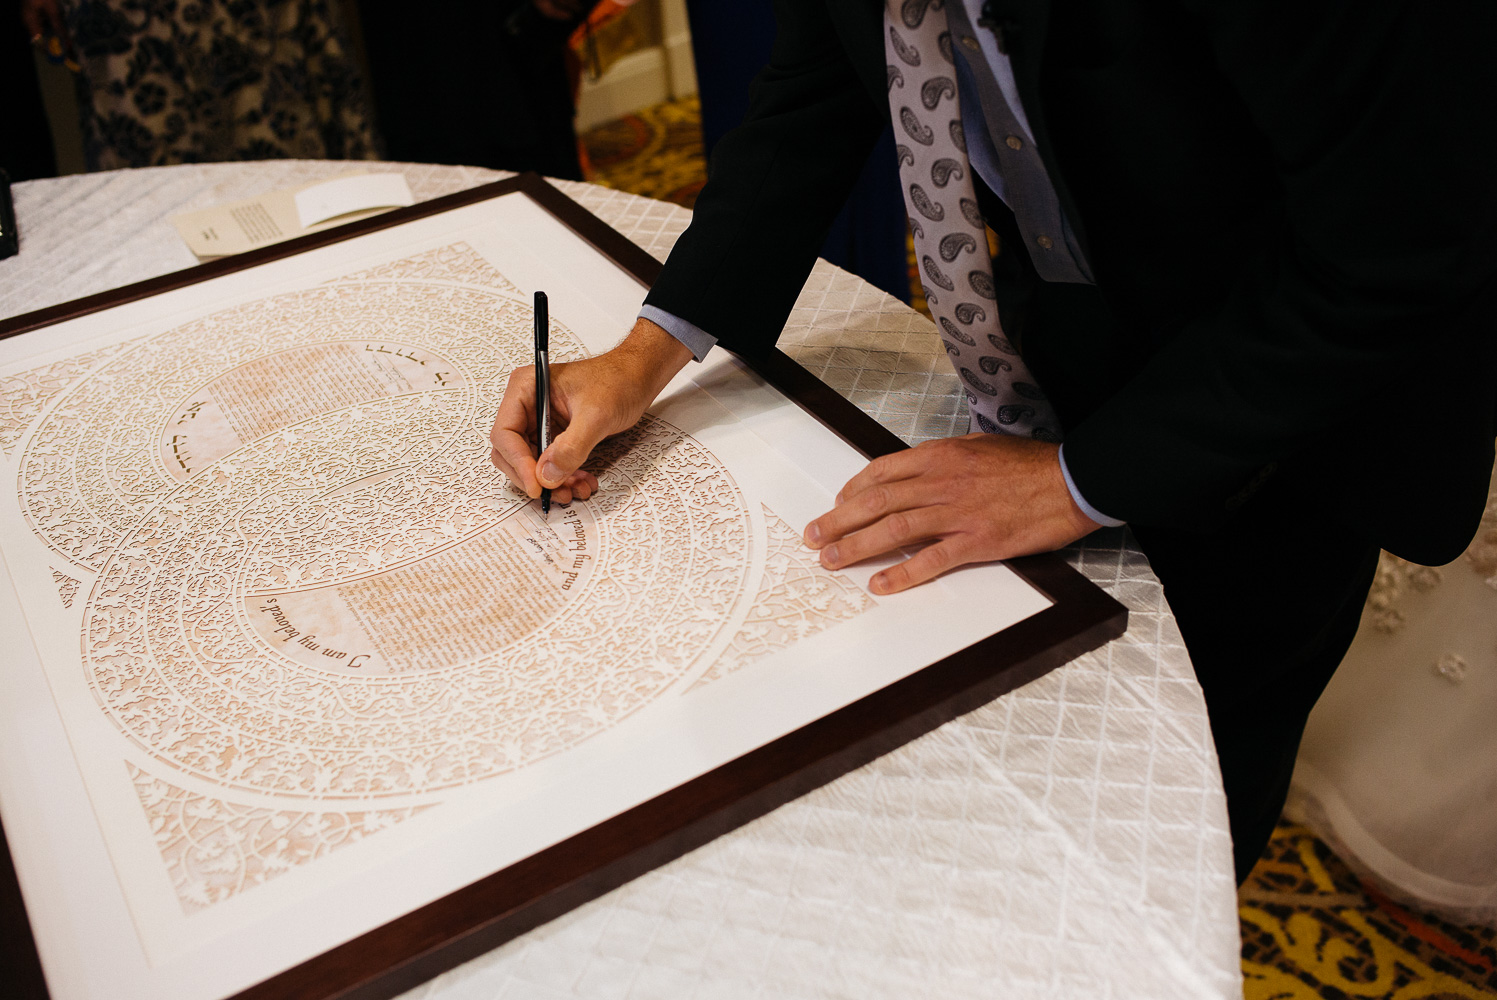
point(1066, 840)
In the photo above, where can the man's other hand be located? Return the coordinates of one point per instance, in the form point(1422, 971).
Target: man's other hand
point(590, 399)
point(975, 498)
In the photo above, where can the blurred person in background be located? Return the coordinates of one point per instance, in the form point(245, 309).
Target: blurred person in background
point(26, 140)
point(486, 83)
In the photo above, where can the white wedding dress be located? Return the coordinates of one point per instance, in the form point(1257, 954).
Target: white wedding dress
point(1398, 768)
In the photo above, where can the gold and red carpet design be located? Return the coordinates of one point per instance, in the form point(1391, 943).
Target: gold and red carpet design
point(655, 152)
point(1312, 929)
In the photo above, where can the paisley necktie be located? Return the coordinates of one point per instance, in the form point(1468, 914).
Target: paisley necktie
point(950, 236)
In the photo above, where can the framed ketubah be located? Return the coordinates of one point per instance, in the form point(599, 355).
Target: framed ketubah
point(301, 698)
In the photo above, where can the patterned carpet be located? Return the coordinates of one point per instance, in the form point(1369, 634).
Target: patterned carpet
point(1311, 929)
point(655, 152)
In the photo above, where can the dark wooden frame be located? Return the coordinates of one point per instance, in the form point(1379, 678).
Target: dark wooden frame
point(446, 932)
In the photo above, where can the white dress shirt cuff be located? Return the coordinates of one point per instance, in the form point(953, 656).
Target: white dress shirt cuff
point(1086, 508)
point(697, 340)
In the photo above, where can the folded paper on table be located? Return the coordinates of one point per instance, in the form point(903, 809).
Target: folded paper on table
point(277, 216)
point(342, 195)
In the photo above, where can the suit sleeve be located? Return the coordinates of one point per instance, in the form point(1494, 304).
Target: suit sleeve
point(774, 185)
point(1378, 276)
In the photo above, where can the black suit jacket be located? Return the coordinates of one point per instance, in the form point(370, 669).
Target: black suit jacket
point(1290, 208)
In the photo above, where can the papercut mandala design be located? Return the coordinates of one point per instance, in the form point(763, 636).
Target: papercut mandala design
point(308, 579)
point(797, 599)
point(215, 849)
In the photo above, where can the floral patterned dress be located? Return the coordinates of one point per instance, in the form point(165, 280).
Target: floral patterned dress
point(185, 81)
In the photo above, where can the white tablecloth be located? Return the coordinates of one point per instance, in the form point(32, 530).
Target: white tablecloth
point(1067, 840)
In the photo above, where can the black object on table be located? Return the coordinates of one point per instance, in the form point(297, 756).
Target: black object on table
point(9, 238)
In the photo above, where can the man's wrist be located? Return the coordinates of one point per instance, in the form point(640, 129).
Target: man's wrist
point(697, 340)
point(657, 355)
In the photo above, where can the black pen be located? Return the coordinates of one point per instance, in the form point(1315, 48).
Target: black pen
point(542, 389)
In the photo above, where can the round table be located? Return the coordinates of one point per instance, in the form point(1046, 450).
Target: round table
point(1066, 840)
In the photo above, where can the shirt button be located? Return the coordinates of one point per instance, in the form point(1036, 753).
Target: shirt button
point(1014, 142)
point(1045, 242)
point(970, 43)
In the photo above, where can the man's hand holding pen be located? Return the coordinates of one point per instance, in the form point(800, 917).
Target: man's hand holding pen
point(590, 400)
